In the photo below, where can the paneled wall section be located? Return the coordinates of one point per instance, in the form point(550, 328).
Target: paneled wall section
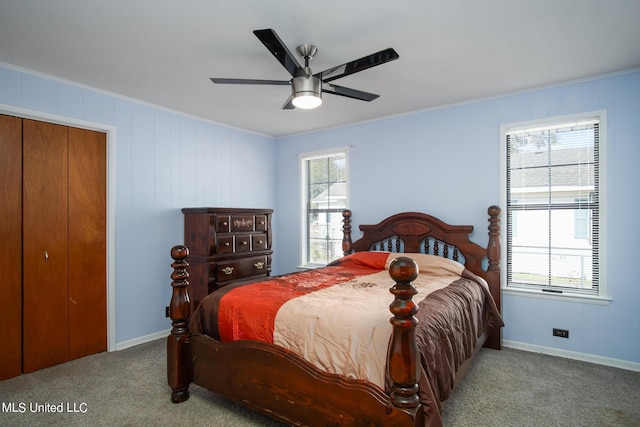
point(163, 161)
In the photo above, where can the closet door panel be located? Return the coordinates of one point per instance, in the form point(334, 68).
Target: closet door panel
point(87, 243)
point(45, 243)
point(11, 245)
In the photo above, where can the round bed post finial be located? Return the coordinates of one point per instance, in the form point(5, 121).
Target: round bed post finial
point(346, 232)
point(402, 360)
point(179, 310)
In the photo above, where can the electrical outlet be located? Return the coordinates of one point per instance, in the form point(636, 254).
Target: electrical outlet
point(166, 311)
point(562, 333)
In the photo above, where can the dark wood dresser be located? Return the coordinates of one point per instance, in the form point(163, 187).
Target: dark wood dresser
point(226, 245)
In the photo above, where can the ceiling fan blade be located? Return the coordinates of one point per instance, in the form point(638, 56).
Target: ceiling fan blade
point(250, 82)
point(348, 92)
point(361, 64)
point(271, 40)
point(288, 104)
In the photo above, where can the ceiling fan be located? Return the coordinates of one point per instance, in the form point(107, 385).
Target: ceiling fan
point(307, 88)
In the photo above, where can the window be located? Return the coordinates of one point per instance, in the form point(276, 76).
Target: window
point(582, 224)
point(324, 187)
point(554, 208)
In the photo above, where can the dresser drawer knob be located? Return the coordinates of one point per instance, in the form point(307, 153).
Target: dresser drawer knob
point(259, 265)
point(227, 270)
point(227, 244)
point(259, 242)
point(225, 223)
point(245, 242)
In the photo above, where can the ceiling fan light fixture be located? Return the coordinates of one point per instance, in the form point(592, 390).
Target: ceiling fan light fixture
point(307, 92)
point(307, 101)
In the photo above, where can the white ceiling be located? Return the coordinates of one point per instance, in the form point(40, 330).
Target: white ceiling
point(164, 51)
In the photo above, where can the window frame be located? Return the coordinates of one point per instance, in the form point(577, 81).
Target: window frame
point(304, 187)
point(602, 297)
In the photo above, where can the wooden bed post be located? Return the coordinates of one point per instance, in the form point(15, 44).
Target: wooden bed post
point(178, 368)
point(493, 271)
point(346, 232)
point(403, 349)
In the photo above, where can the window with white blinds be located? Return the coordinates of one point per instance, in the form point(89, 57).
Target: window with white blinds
point(553, 207)
point(324, 182)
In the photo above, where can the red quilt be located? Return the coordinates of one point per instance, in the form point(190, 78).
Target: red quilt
point(249, 311)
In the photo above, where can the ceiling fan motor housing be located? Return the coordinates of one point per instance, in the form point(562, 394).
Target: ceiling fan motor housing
point(306, 84)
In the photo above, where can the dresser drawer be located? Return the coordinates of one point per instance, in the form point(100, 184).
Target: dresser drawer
point(261, 223)
point(243, 243)
point(225, 244)
point(242, 223)
point(259, 242)
point(238, 269)
point(223, 223)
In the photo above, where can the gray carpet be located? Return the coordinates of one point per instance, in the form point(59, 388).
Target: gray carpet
point(503, 388)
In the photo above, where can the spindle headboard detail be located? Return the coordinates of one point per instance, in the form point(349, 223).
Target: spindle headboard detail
point(422, 233)
point(428, 245)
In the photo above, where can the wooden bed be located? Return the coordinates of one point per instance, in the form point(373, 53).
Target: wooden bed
point(279, 383)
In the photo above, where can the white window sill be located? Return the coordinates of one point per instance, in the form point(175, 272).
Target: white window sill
point(310, 266)
point(565, 296)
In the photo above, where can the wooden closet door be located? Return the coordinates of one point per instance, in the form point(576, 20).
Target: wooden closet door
point(11, 245)
point(45, 243)
point(87, 242)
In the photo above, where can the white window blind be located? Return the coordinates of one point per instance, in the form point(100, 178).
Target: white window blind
point(553, 207)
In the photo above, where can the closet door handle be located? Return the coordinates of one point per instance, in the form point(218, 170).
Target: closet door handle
point(46, 257)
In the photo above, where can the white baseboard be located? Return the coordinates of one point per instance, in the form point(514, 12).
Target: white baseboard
point(141, 340)
point(592, 358)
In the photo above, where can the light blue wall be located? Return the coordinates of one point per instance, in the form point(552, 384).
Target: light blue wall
point(164, 161)
point(447, 162)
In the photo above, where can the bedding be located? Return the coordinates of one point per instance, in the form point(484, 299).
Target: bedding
point(337, 318)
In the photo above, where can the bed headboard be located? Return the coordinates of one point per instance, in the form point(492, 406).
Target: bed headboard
point(421, 233)
point(418, 232)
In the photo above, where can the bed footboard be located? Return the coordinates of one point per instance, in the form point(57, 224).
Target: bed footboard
point(288, 387)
